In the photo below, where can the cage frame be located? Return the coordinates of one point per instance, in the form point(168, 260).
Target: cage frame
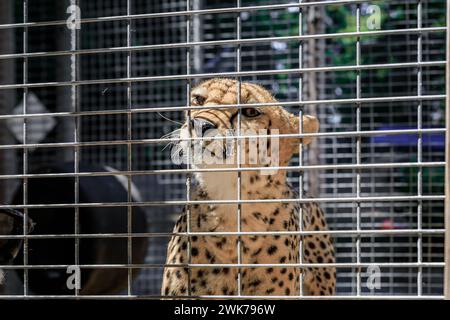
point(75, 114)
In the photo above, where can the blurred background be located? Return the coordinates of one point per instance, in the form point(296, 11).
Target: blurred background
point(269, 55)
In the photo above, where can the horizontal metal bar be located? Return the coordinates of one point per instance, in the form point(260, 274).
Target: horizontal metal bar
point(231, 265)
point(350, 102)
point(184, 202)
point(241, 169)
point(182, 13)
point(225, 74)
point(335, 233)
point(221, 297)
point(220, 43)
point(167, 140)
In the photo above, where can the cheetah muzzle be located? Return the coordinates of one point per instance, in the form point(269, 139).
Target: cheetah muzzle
point(269, 216)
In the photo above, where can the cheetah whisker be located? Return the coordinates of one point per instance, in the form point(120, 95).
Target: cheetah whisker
point(171, 135)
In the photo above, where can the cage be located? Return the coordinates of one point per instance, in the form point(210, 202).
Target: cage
point(97, 93)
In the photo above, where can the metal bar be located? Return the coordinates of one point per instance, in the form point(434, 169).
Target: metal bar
point(225, 106)
point(239, 149)
point(25, 152)
point(158, 297)
point(192, 202)
point(358, 149)
point(225, 74)
point(189, 156)
point(336, 233)
point(447, 166)
point(74, 70)
point(183, 13)
point(282, 136)
point(187, 171)
point(231, 265)
point(223, 42)
point(129, 156)
point(419, 148)
point(300, 145)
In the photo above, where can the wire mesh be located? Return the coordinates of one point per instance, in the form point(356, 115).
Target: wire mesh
point(104, 95)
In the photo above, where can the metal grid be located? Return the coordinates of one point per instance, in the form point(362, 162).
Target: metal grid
point(120, 127)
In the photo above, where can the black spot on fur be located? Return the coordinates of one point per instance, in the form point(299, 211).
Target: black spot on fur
point(272, 249)
point(255, 283)
point(256, 252)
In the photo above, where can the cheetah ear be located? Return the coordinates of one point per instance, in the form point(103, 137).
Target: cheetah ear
point(310, 125)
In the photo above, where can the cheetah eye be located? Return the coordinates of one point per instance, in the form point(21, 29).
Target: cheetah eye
point(250, 112)
point(198, 100)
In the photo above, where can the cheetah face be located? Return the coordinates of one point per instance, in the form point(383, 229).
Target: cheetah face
point(215, 129)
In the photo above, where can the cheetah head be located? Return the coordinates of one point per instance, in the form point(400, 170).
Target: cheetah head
point(212, 128)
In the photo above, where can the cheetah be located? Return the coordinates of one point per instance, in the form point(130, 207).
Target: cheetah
point(219, 217)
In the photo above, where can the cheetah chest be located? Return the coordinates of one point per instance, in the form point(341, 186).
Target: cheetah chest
point(254, 249)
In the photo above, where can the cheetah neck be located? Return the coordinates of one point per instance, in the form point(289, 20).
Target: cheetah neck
point(223, 185)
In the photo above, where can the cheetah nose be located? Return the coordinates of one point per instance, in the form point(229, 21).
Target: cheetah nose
point(201, 126)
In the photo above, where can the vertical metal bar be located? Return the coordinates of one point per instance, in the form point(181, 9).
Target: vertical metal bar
point(25, 150)
point(300, 146)
point(75, 107)
point(238, 154)
point(129, 154)
point(358, 149)
point(8, 163)
point(419, 149)
point(188, 165)
point(447, 166)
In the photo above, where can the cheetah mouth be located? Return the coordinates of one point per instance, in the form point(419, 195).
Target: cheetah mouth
point(208, 152)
